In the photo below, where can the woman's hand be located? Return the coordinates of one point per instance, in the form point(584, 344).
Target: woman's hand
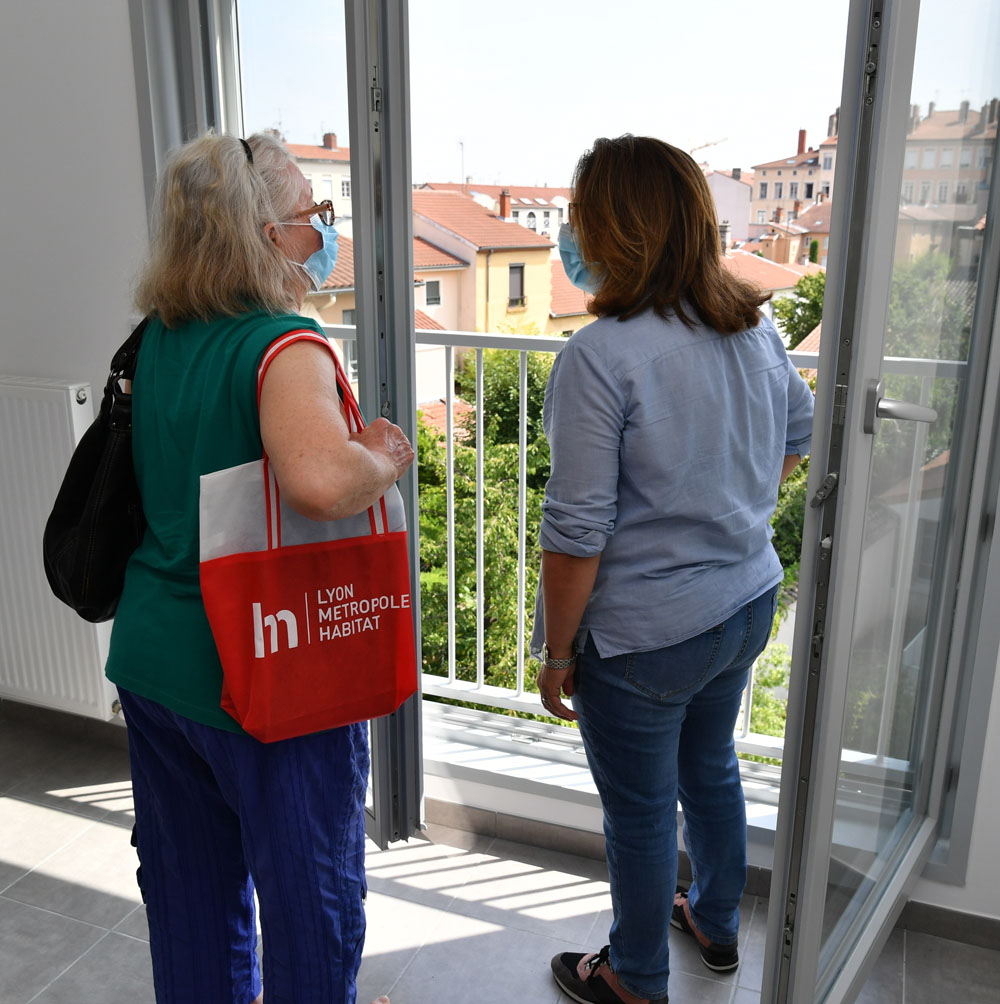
point(388, 440)
point(552, 683)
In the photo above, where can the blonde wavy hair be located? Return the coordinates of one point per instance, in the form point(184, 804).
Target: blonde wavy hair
point(210, 256)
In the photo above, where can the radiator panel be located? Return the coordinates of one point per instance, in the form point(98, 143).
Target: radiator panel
point(48, 655)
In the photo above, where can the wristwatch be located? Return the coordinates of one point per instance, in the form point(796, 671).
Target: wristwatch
point(547, 660)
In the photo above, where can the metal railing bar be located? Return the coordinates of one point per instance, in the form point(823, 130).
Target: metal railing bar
point(480, 588)
point(449, 398)
point(522, 513)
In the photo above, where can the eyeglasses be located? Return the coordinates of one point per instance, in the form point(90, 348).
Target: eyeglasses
point(324, 210)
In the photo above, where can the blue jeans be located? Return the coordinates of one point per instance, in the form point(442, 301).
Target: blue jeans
point(657, 726)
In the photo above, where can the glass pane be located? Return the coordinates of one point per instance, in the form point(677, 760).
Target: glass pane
point(911, 520)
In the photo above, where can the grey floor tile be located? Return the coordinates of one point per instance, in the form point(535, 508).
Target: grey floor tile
point(751, 969)
point(31, 833)
point(476, 962)
point(940, 970)
point(35, 947)
point(92, 878)
point(86, 779)
point(885, 984)
point(116, 968)
point(421, 871)
point(24, 750)
point(135, 926)
point(546, 897)
point(744, 996)
point(697, 990)
point(435, 833)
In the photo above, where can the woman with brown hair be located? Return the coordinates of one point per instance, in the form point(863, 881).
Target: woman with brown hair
point(671, 419)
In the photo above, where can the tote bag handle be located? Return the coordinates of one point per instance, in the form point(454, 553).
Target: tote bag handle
point(355, 423)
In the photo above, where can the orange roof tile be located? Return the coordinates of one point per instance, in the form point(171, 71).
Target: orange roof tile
point(531, 192)
point(808, 159)
point(746, 177)
point(816, 219)
point(829, 141)
point(769, 275)
point(811, 342)
point(425, 322)
point(306, 151)
point(426, 255)
point(462, 215)
point(435, 414)
point(567, 300)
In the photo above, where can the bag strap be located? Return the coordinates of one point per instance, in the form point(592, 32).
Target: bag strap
point(355, 423)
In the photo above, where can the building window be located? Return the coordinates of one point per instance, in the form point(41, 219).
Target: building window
point(432, 293)
point(827, 162)
point(912, 158)
point(925, 192)
point(908, 191)
point(545, 220)
point(793, 189)
point(532, 222)
point(809, 189)
point(981, 158)
point(516, 285)
point(351, 359)
point(761, 216)
point(515, 215)
point(826, 243)
point(825, 188)
point(961, 191)
point(779, 189)
point(345, 188)
point(965, 156)
point(928, 159)
point(947, 157)
point(327, 188)
point(942, 192)
point(763, 190)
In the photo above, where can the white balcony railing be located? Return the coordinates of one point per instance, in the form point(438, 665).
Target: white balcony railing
point(518, 698)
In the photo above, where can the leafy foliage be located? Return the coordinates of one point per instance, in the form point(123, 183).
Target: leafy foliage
point(799, 313)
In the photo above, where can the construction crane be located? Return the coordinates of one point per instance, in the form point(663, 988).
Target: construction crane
point(715, 142)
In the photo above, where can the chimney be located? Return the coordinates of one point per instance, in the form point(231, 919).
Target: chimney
point(796, 209)
point(737, 172)
point(505, 204)
point(963, 112)
point(833, 124)
point(994, 110)
point(930, 109)
point(778, 213)
point(330, 140)
point(724, 230)
point(802, 141)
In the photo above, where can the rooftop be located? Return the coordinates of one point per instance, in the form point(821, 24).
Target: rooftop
point(769, 275)
point(306, 151)
point(567, 300)
point(425, 257)
point(466, 218)
point(949, 124)
point(538, 195)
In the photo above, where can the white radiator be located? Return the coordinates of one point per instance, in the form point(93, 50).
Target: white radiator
point(48, 655)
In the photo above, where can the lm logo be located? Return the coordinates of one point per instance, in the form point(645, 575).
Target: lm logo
point(271, 621)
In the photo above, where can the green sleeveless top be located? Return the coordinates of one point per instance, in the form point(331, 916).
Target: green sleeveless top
point(194, 411)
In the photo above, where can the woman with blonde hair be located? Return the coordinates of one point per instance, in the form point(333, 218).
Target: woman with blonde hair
point(237, 243)
point(671, 419)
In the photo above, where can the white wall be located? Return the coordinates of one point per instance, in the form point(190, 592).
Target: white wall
point(74, 209)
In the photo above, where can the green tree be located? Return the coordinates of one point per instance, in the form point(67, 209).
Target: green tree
point(799, 313)
point(814, 251)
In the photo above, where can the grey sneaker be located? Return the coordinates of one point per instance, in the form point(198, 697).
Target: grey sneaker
point(587, 977)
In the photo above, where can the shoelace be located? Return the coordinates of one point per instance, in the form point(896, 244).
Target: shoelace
point(603, 957)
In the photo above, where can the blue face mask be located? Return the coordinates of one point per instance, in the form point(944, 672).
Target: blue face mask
point(577, 269)
point(319, 264)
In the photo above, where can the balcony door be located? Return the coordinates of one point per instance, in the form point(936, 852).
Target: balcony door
point(910, 313)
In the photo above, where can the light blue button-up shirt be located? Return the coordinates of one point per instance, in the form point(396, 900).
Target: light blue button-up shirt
point(667, 444)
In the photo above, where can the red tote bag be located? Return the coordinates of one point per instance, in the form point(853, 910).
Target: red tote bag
point(313, 620)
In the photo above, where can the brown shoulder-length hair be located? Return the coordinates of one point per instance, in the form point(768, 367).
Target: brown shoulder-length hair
point(645, 219)
point(209, 254)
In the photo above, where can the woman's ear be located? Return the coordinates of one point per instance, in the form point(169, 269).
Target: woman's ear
point(271, 232)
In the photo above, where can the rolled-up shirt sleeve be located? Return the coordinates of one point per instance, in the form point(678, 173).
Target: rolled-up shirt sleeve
point(583, 417)
point(798, 435)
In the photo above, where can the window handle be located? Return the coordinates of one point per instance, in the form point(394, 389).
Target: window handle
point(878, 407)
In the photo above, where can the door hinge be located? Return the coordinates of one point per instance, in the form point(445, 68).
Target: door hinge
point(376, 99)
point(825, 490)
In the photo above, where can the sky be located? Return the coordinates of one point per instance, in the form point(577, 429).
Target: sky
point(513, 93)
